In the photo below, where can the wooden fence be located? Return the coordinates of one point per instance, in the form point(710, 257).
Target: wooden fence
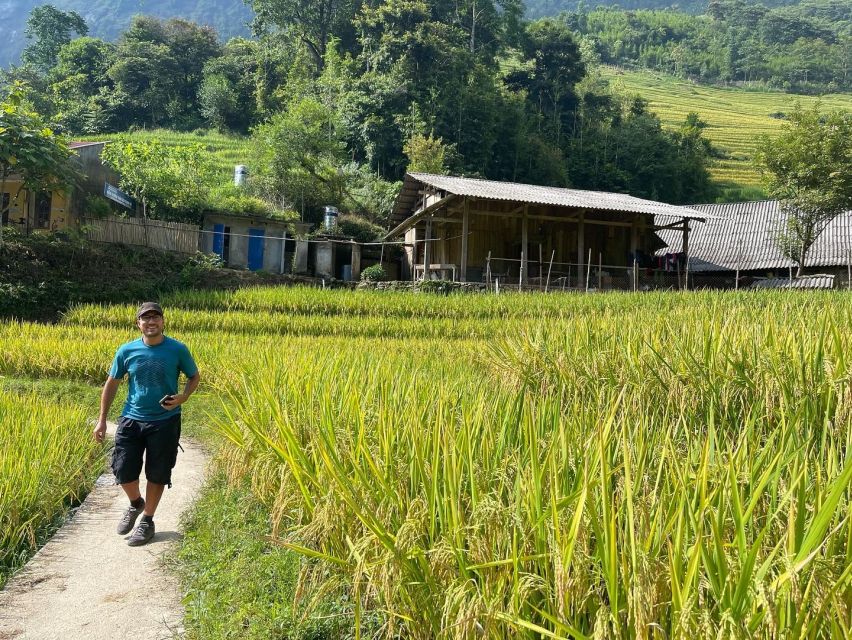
point(157, 234)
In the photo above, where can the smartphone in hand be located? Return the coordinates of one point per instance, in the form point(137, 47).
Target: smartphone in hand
point(164, 399)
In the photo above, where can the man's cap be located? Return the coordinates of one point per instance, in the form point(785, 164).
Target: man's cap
point(148, 306)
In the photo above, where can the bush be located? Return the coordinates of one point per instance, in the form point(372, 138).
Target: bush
point(361, 229)
point(97, 206)
point(230, 198)
point(374, 273)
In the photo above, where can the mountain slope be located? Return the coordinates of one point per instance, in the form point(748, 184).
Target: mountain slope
point(108, 18)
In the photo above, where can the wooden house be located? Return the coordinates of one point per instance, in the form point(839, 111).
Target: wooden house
point(471, 230)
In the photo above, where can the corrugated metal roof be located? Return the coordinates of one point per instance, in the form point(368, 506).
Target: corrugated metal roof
point(532, 194)
point(745, 233)
point(818, 281)
point(82, 143)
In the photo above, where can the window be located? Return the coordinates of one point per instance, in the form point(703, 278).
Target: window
point(42, 210)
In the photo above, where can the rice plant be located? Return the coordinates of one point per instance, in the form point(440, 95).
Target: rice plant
point(523, 466)
point(47, 461)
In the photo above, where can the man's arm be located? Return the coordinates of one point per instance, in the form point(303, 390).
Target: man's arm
point(179, 399)
point(107, 396)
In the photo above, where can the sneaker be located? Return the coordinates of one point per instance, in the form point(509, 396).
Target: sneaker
point(127, 521)
point(143, 534)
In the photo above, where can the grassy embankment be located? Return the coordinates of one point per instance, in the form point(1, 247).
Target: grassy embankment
point(735, 117)
point(610, 466)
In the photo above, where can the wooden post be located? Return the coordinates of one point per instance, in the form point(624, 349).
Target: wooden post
point(849, 272)
point(465, 227)
point(634, 235)
point(588, 270)
point(600, 266)
point(790, 273)
point(549, 267)
point(686, 253)
point(540, 261)
point(488, 270)
point(524, 243)
point(739, 259)
point(521, 274)
point(580, 248)
point(410, 248)
point(427, 250)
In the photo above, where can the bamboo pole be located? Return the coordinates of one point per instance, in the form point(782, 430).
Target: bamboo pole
point(588, 270)
point(521, 274)
point(549, 267)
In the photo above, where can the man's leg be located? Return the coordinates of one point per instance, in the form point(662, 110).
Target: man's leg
point(153, 493)
point(132, 490)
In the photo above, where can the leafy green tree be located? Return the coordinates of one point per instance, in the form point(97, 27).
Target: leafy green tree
point(228, 91)
point(170, 181)
point(31, 151)
point(555, 67)
point(159, 68)
point(79, 80)
point(298, 157)
point(48, 30)
point(426, 154)
point(807, 167)
point(314, 22)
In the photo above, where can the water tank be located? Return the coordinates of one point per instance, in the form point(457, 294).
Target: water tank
point(240, 174)
point(330, 218)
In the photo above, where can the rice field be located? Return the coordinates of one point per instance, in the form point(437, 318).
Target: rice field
point(661, 465)
point(47, 459)
point(735, 116)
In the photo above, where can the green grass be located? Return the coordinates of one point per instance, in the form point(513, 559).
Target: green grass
point(735, 117)
point(238, 584)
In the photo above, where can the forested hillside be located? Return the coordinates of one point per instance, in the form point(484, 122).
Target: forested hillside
point(542, 8)
point(805, 48)
point(108, 18)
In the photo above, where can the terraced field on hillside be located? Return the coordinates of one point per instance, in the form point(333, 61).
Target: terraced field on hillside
point(225, 151)
point(735, 116)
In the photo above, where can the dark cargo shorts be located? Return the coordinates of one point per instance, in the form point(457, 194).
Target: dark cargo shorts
point(159, 442)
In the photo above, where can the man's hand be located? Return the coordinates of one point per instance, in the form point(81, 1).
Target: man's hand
point(175, 401)
point(99, 431)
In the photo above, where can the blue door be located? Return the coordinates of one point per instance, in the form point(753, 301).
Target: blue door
point(255, 249)
point(219, 240)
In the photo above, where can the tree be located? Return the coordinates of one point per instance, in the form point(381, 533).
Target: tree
point(807, 168)
point(76, 83)
point(426, 154)
point(49, 29)
point(171, 182)
point(314, 22)
point(299, 157)
point(31, 150)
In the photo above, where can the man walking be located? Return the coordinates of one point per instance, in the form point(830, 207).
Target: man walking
point(150, 420)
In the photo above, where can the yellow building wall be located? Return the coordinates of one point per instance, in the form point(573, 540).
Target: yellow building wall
point(24, 207)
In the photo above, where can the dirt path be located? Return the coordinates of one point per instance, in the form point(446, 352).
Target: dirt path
point(87, 584)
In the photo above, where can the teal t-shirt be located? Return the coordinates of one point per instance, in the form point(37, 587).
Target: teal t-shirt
point(152, 373)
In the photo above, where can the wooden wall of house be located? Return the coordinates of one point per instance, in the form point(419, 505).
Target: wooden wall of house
point(501, 236)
